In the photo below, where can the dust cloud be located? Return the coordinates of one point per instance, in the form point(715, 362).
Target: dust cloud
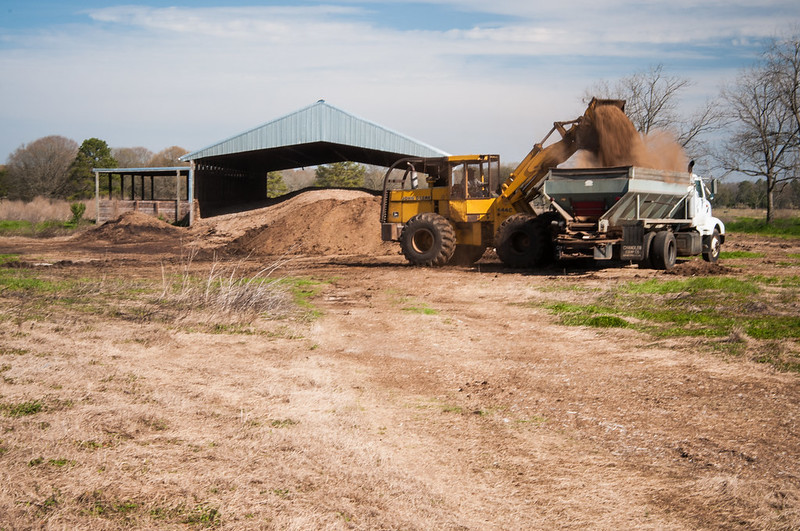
point(616, 142)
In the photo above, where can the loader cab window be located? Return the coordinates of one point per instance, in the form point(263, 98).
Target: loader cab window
point(458, 187)
point(475, 179)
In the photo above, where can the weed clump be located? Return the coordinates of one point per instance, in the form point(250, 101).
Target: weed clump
point(226, 291)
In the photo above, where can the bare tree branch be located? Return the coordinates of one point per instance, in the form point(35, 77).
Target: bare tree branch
point(652, 100)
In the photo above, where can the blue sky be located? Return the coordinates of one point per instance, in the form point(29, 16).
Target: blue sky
point(466, 76)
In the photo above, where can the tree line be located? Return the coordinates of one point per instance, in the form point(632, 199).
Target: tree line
point(57, 167)
point(757, 116)
point(753, 194)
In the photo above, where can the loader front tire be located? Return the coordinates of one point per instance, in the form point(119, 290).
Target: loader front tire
point(522, 241)
point(428, 239)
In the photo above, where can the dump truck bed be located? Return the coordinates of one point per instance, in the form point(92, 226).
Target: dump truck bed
point(620, 194)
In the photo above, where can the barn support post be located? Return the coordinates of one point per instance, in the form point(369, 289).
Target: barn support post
point(190, 192)
point(177, 196)
point(96, 197)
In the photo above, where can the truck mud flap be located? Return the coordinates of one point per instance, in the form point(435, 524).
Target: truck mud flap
point(633, 243)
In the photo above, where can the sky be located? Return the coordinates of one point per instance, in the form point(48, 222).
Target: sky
point(465, 76)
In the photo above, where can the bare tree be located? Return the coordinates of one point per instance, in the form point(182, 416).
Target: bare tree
point(135, 157)
point(652, 101)
point(764, 108)
point(783, 65)
point(41, 168)
point(373, 178)
point(168, 157)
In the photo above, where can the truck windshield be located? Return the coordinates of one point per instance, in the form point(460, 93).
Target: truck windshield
point(700, 188)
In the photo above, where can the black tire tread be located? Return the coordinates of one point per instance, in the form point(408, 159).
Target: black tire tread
point(444, 244)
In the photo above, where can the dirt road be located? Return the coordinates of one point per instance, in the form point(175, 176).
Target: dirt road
point(405, 398)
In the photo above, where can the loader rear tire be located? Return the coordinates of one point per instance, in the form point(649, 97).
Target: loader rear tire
point(428, 239)
point(664, 250)
point(522, 241)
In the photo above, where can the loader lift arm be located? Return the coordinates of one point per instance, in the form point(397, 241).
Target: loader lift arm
point(521, 187)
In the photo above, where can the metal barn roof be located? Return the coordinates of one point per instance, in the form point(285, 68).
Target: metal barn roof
point(317, 134)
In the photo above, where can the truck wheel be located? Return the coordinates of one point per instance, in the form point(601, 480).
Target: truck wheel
point(714, 244)
point(522, 241)
point(664, 250)
point(466, 255)
point(428, 239)
point(647, 246)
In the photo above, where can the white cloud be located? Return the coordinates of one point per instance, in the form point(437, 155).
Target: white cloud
point(137, 75)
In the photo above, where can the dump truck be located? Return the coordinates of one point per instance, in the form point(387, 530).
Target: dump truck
point(465, 208)
point(632, 214)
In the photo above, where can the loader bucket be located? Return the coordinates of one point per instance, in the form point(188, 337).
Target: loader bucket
point(587, 135)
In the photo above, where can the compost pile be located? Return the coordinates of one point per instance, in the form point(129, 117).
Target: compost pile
point(316, 222)
point(132, 227)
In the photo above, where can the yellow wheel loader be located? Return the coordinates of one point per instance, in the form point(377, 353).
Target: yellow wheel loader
point(464, 208)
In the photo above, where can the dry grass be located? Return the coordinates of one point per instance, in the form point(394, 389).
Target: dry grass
point(118, 410)
point(226, 293)
point(179, 434)
point(41, 209)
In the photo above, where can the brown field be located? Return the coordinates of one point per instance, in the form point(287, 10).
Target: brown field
point(369, 394)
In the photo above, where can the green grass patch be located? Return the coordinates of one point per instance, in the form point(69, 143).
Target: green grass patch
point(21, 409)
point(303, 291)
point(283, 423)
point(710, 308)
point(25, 280)
point(726, 285)
point(60, 463)
point(203, 515)
point(13, 227)
point(43, 229)
point(773, 327)
point(780, 362)
point(740, 254)
point(782, 228)
point(8, 259)
point(422, 308)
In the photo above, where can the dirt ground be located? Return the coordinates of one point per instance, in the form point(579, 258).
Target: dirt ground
point(413, 398)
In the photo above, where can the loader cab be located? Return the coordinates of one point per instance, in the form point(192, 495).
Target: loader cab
point(474, 177)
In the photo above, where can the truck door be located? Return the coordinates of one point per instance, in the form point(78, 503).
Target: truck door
point(701, 206)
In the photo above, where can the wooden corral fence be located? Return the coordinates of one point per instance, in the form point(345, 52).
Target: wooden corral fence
point(171, 211)
point(165, 193)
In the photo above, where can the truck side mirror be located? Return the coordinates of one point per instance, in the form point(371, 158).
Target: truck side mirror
point(714, 188)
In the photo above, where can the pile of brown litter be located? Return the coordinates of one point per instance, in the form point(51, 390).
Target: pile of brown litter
point(316, 222)
point(698, 267)
point(313, 222)
point(132, 227)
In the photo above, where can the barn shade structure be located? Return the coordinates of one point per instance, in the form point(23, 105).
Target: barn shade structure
point(232, 174)
point(234, 171)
